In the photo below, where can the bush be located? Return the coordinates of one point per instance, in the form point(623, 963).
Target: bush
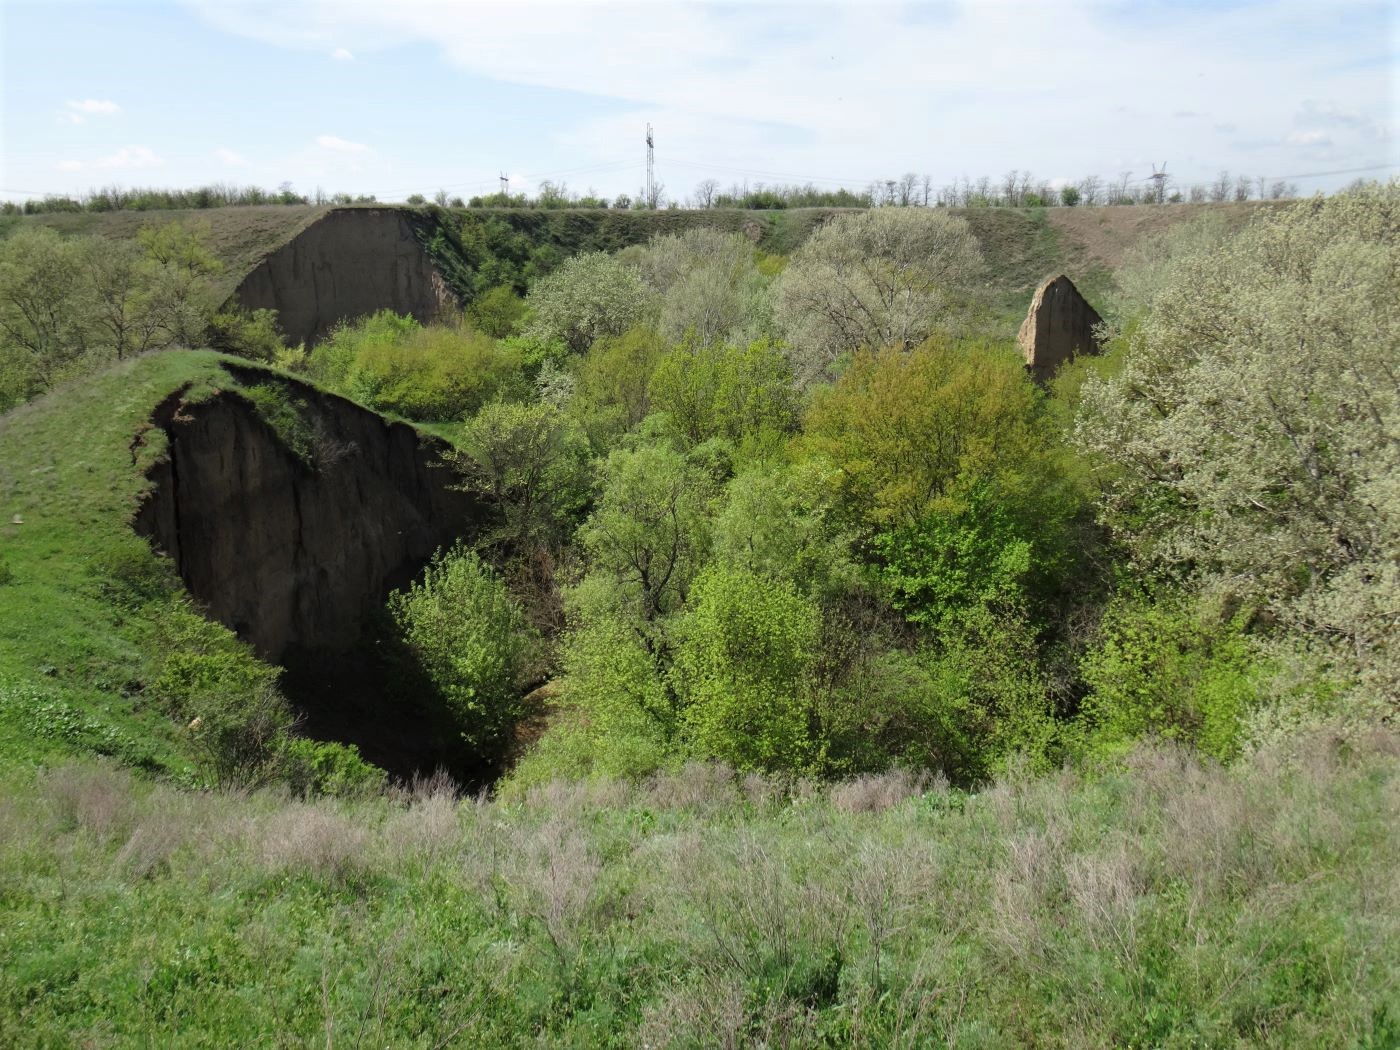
point(1161, 668)
point(317, 767)
point(736, 393)
point(748, 645)
point(470, 641)
point(497, 312)
point(435, 372)
point(203, 676)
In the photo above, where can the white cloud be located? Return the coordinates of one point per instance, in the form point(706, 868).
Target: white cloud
point(77, 111)
point(130, 157)
point(229, 157)
point(1308, 138)
point(69, 165)
point(95, 105)
point(341, 54)
point(340, 145)
point(878, 88)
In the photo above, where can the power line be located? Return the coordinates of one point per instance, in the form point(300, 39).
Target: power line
point(1343, 171)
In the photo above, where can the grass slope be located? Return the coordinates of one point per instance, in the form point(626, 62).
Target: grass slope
point(76, 617)
point(1169, 904)
point(238, 237)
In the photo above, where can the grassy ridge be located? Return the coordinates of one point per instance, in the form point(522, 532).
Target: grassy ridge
point(1168, 904)
point(82, 595)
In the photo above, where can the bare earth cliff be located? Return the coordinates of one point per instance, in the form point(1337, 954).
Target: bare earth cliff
point(347, 264)
point(294, 538)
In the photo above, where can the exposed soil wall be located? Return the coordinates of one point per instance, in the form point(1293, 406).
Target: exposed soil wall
point(296, 550)
point(349, 263)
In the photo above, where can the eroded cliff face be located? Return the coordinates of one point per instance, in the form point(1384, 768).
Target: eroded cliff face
point(293, 535)
point(1058, 327)
point(352, 262)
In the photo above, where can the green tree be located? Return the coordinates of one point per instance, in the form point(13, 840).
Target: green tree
point(470, 639)
point(748, 645)
point(45, 320)
point(589, 297)
point(612, 393)
point(649, 529)
point(497, 311)
point(727, 392)
point(944, 467)
point(886, 277)
point(531, 462)
point(1249, 441)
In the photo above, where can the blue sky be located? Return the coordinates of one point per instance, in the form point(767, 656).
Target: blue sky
point(408, 97)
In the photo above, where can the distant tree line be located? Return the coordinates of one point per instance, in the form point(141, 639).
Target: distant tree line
point(1021, 189)
point(1015, 189)
point(138, 198)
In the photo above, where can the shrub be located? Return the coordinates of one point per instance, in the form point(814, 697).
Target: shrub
point(317, 767)
point(735, 393)
point(1162, 668)
point(470, 640)
point(748, 644)
point(497, 312)
point(205, 677)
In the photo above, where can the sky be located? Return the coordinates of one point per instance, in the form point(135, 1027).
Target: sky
point(409, 96)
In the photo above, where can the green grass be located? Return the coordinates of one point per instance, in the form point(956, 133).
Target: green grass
point(1169, 904)
point(83, 598)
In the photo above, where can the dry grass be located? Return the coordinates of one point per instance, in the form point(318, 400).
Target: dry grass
point(1251, 905)
point(877, 792)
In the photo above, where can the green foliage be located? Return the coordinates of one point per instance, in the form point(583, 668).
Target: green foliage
point(530, 461)
point(589, 297)
point(202, 676)
point(325, 768)
point(284, 414)
point(436, 372)
point(248, 333)
point(470, 640)
point(777, 521)
point(1162, 668)
point(747, 648)
point(612, 391)
point(497, 312)
point(738, 394)
point(1248, 442)
point(71, 305)
point(945, 465)
point(620, 716)
point(649, 529)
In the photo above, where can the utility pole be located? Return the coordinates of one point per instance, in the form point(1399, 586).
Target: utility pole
point(1160, 178)
point(651, 170)
point(505, 185)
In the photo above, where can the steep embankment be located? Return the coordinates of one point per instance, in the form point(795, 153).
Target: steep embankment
point(347, 263)
point(288, 512)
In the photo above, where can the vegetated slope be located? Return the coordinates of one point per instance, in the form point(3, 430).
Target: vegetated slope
point(326, 508)
point(240, 238)
point(1021, 246)
point(1170, 903)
